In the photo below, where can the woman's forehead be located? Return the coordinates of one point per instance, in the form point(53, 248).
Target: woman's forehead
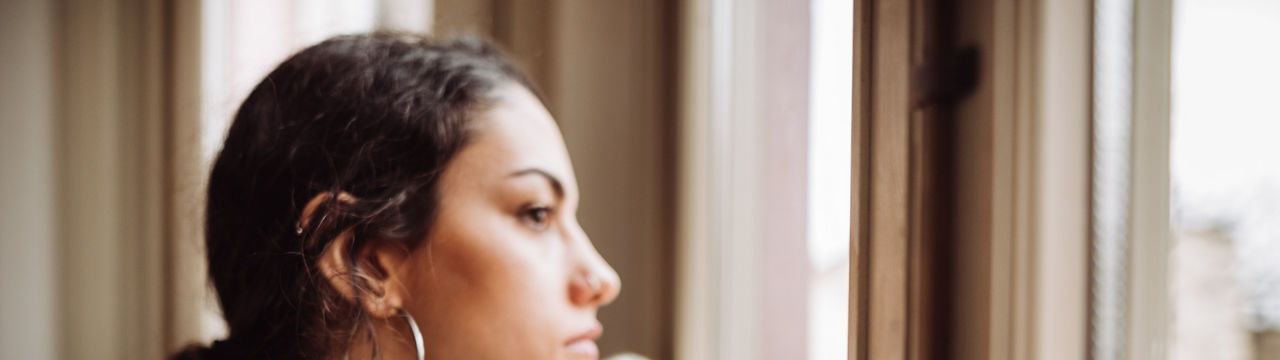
point(514, 134)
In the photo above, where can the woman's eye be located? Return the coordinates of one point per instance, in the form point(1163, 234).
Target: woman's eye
point(537, 217)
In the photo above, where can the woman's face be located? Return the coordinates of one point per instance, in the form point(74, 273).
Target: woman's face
point(506, 271)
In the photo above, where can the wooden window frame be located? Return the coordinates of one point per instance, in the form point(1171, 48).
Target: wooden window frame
point(1019, 188)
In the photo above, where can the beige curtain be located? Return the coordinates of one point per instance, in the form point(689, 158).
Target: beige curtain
point(130, 275)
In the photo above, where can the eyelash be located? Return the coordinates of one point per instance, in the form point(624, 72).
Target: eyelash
point(537, 217)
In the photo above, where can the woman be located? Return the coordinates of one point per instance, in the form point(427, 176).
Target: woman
point(390, 196)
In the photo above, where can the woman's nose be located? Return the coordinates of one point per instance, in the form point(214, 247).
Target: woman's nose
point(595, 283)
point(595, 288)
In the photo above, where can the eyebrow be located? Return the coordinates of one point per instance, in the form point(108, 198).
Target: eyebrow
point(555, 183)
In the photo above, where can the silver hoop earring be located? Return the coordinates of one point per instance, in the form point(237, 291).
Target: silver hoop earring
point(417, 335)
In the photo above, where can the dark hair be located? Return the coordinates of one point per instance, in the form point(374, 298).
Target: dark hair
point(378, 116)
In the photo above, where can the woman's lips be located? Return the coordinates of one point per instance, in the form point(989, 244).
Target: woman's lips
point(585, 343)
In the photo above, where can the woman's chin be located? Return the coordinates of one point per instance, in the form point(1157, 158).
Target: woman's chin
point(583, 349)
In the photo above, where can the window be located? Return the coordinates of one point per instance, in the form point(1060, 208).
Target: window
point(1224, 260)
point(244, 40)
point(1186, 189)
point(830, 129)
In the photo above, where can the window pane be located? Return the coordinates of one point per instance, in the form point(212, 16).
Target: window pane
point(1225, 261)
point(830, 137)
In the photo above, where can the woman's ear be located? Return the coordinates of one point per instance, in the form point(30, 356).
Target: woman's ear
point(369, 278)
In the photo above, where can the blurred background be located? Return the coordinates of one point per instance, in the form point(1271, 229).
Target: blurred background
point(713, 141)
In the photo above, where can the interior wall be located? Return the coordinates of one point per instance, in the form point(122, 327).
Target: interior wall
point(28, 276)
point(611, 94)
point(111, 187)
point(82, 170)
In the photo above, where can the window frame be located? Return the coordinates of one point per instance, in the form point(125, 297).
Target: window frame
point(1023, 185)
point(1149, 312)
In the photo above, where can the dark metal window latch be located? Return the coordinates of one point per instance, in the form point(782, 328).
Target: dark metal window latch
point(946, 79)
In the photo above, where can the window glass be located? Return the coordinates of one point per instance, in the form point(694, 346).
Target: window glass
point(830, 135)
point(1225, 169)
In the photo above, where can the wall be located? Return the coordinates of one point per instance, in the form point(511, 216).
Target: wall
point(608, 93)
point(27, 246)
